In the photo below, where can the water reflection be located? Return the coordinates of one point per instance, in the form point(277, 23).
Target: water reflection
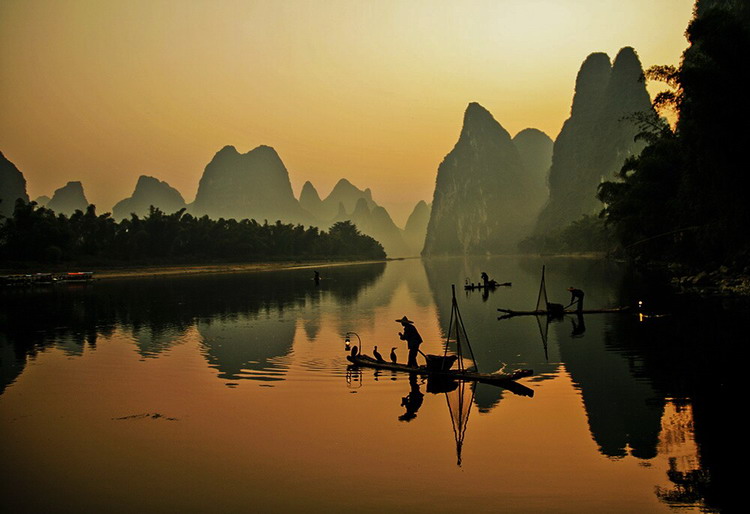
point(645, 391)
point(241, 317)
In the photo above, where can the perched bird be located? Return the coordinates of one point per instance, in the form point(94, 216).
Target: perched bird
point(377, 355)
point(393, 355)
point(355, 350)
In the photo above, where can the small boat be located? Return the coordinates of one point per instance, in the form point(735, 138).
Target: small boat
point(490, 285)
point(545, 308)
point(542, 312)
point(75, 276)
point(440, 365)
point(486, 378)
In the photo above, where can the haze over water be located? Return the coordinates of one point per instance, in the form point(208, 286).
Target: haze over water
point(228, 392)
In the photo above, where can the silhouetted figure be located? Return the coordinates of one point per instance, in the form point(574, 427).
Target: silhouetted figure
point(393, 355)
point(412, 401)
point(412, 338)
point(579, 327)
point(377, 355)
point(317, 278)
point(485, 279)
point(355, 351)
point(576, 295)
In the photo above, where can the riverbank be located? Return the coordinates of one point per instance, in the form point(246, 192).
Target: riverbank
point(182, 270)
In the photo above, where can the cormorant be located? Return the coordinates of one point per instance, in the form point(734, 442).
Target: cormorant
point(355, 350)
point(377, 355)
point(393, 355)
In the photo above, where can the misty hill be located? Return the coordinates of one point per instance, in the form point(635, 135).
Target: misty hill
point(12, 186)
point(42, 200)
point(149, 191)
point(595, 140)
point(377, 223)
point(535, 149)
point(480, 204)
point(416, 227)
point(253, 185)
point(68, 199)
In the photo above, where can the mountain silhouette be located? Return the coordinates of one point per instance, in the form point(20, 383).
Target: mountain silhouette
point(597, 137)
point(254, 185)
point(416, 227)
point(12, 186)
point(68, 199)
point(149, 191)
point(480, 202)
point(535, 149)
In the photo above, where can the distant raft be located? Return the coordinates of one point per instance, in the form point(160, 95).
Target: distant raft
point(543, 312)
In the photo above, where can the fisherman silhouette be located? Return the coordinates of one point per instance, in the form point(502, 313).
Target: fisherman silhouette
point(412, 338)
point(317, 278)
point(412, 401)
point(576, 295)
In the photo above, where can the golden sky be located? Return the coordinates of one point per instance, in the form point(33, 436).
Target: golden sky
point(103, 91)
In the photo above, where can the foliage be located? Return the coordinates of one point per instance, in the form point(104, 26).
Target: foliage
point(37, 234)
point(684, 197)
point(585, 235)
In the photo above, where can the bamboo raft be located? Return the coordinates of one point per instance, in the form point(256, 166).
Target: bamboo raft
point(542, 312)
point(500, 379)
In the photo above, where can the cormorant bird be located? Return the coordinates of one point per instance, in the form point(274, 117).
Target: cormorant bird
point(355, 350)
point(377, 355)
point(393, 355)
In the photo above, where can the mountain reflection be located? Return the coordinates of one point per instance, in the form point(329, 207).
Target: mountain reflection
point(232, 312)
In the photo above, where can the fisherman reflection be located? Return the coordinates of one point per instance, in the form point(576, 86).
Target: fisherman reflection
point(579, 327)
point(412, 401)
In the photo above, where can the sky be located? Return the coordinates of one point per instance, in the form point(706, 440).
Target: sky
point(104, 91)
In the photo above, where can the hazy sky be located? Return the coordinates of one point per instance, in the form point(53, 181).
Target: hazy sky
point(103, 91)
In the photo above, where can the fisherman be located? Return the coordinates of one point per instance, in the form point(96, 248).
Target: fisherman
point(317, 277)
point(576, 295)
point(485, 279)
point(412, 338)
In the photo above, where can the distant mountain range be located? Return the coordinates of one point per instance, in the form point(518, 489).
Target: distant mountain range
point(490, 191)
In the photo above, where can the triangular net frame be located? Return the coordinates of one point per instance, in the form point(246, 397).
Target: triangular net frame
point(457, 332)
point(542, 294)
point(460, 399)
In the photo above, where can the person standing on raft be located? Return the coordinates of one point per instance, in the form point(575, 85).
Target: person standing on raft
point(412, 338)
point(576, 295)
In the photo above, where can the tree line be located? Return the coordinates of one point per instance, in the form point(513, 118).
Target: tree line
point(36, 234)
point(685, 197)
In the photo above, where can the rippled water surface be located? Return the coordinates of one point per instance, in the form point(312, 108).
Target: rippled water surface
point(227, 393)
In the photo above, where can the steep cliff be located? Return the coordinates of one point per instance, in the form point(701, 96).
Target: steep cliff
point(597, 137)
point(535, 149)
point(12, 186)
point(479, 204)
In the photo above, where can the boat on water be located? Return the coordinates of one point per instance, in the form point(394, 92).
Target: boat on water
point(545, 308)
point(458, 374)
point(34, 279)
point(544, 312)
point(442, 365)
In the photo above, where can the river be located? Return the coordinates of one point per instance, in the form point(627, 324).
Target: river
point(231, 392)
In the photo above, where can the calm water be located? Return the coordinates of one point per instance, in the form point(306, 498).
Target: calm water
point(229, 393)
